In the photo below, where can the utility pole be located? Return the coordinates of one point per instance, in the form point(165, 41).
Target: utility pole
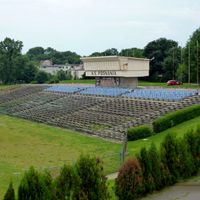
point(189, 63)
point(173, 65)
point(197, 62)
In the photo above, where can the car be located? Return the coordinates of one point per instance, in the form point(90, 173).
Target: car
point(174, 82)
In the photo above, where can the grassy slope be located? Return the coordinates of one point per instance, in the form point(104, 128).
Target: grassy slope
point(8, 87)
point(24, 143)
point(185, 85)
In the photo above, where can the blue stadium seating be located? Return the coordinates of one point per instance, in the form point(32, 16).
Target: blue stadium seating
point(105, 91)
point(160, 94)
point(65, 88)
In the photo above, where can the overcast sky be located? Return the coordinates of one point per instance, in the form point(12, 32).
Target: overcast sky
point(85, 26)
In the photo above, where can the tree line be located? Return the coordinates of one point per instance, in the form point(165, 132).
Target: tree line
point(168, 59)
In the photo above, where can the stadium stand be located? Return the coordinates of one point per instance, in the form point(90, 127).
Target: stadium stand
point(105, 112)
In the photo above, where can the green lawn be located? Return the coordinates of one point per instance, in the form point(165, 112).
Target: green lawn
point(158, 84)
point(8, 87)
point(24, 144)
point(86, 81)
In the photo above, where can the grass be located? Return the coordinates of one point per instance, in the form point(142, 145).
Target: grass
point(24, 144)
point(159, 84)
point(85, 81)
point(8, 87)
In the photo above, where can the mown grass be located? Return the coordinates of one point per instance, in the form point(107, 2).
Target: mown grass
point(159, 84)
point(85, 81)
point(8, 87)
point(24, 144)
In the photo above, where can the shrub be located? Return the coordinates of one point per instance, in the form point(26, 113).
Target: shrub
point(10, 193)
point(129, 180)
point(41, 77)
point(193, 141)
point(174, 118)
point(64, 183)
point(148, 181)
point(89, 180)
point(185, 160)
point(169, 158)
point(33, 186)
point(154, 161)
point(139, 132)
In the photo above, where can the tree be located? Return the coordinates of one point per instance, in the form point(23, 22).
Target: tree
point(133, 52)
point(158, 50)
point(64, 183)
point(154, 160)
point(192, 49)
point(169, 158)
point(10, 51)
point(36, 53)
point(33, 186)
point(171, 63)
point(41, 77)
point(26, 70)
point(89, 180)
point(145, 164)
point(129, 180)
point(10, 193)
point(61, 75)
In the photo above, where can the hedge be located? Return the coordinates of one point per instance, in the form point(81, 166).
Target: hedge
point(139, 132)
point(174, 118)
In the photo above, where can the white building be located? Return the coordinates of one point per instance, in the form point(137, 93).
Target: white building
point(76, 70)
point(116, 70)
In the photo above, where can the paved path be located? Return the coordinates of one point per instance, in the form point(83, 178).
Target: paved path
point(178, 192)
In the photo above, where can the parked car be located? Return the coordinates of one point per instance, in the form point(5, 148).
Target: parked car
point(174, 82)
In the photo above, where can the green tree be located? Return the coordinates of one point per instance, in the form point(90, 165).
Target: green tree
point(169, 157)
point(190, 56)
point(145, 164)
point(64, 183)
point(33, 186)
point(132, 52)
point(10, 193)
point(42, 77)
point(10, 51)
point(158, 50)
point(171, 63)
point(154, 160)
point(61, 75)
point(36, 53)
point(89, 180)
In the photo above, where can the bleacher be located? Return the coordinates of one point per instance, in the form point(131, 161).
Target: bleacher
point(94, 110)
point(160, 94)
point(65, 89)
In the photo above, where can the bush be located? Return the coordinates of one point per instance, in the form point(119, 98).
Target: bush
point(193, 141)
point(185, 160)
point(64, 183)
point(169, 158)
point(148, 181)
point(139, 132)
point(154, 160)
point(129, 180)
point(89, 180)
point(53, 79)
point(42, 77)
point(10, 193)
point(174, 118)
point(33, 186)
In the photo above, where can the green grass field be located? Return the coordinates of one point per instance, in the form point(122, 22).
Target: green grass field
point(24, 144)
point(141, 83)
point(8, 87)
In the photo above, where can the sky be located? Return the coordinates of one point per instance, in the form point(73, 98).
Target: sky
point(87, 26)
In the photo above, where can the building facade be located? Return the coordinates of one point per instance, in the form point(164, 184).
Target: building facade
point(116, 71)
